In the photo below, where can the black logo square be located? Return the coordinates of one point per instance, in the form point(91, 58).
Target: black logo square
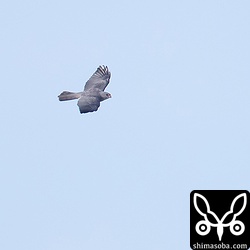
point(220, 219)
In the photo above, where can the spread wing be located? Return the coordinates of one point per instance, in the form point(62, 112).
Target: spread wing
point(88, 104)
point(99, 80)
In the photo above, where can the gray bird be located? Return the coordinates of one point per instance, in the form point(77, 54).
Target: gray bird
point(93, 94)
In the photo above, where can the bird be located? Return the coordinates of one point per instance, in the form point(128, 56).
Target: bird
point(93, 93)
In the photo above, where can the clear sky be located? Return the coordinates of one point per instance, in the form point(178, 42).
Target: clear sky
point(119, 178)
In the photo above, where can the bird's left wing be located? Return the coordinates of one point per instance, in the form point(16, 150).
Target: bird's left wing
point(88, 104)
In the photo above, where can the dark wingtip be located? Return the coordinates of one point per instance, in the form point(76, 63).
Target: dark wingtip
point(104, 70)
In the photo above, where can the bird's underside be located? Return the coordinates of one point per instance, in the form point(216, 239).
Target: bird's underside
point(93, 94)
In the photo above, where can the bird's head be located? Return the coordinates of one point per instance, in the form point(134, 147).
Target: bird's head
point(105, 95)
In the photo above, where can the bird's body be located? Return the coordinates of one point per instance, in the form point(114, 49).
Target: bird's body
point(93, 94)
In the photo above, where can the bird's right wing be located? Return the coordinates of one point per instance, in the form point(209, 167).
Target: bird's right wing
point(99, 80)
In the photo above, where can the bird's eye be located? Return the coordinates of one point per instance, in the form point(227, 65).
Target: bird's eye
point(107, 95)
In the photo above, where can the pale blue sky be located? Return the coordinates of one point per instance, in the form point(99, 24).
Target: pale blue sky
point(119, 178)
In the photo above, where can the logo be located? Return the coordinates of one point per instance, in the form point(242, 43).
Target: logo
point(219, 218)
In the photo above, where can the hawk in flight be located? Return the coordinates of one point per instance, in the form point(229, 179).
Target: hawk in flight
point(93, 94)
